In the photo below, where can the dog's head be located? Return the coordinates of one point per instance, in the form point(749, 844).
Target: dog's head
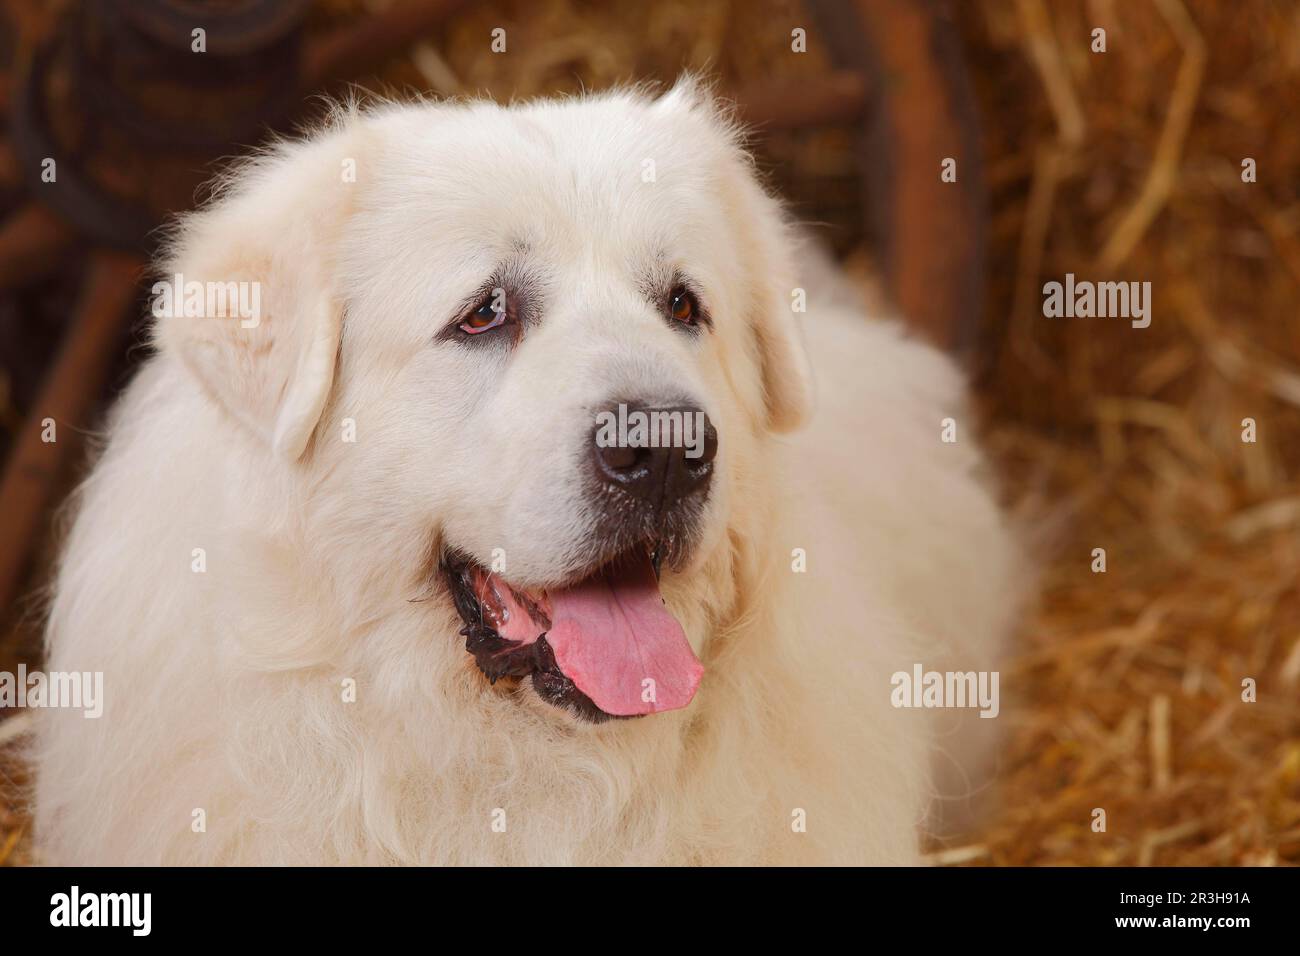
point(532, 353)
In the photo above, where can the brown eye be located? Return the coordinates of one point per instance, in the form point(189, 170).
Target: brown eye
point(682, 306)
point(484, 318)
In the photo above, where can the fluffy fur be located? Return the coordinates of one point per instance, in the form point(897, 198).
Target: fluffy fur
point(225, 689)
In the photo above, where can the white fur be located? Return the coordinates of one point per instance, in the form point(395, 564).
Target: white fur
point(224, 688)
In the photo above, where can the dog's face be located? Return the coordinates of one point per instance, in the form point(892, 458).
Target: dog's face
point(541, 346)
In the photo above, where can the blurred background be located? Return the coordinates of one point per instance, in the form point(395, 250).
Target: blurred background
point(1126, 164)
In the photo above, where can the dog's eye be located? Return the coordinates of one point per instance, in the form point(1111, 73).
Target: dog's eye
point(682, 306)
point(486, 316)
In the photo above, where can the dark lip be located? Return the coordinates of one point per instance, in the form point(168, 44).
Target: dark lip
point(672, 537)
point(501, 659)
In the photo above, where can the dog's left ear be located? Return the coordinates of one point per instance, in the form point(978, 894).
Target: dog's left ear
point(263, 253)
point(767, 250)
point(787, 376)
point(768, 253)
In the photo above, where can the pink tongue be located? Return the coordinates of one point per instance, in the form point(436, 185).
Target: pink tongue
point(614, 638)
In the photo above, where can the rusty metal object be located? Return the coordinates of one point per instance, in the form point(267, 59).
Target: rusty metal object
point(72, 387)
point(131, 115)
point(922, 110)
point(134, 65)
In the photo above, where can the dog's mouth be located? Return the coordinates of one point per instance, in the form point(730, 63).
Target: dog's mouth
point(603, 646)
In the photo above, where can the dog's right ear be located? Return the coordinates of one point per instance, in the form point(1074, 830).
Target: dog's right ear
point(254, 313)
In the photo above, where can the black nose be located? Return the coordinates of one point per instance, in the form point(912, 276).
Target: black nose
point(660, 455)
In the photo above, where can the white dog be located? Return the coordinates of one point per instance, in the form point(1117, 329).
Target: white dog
point(366, 587)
